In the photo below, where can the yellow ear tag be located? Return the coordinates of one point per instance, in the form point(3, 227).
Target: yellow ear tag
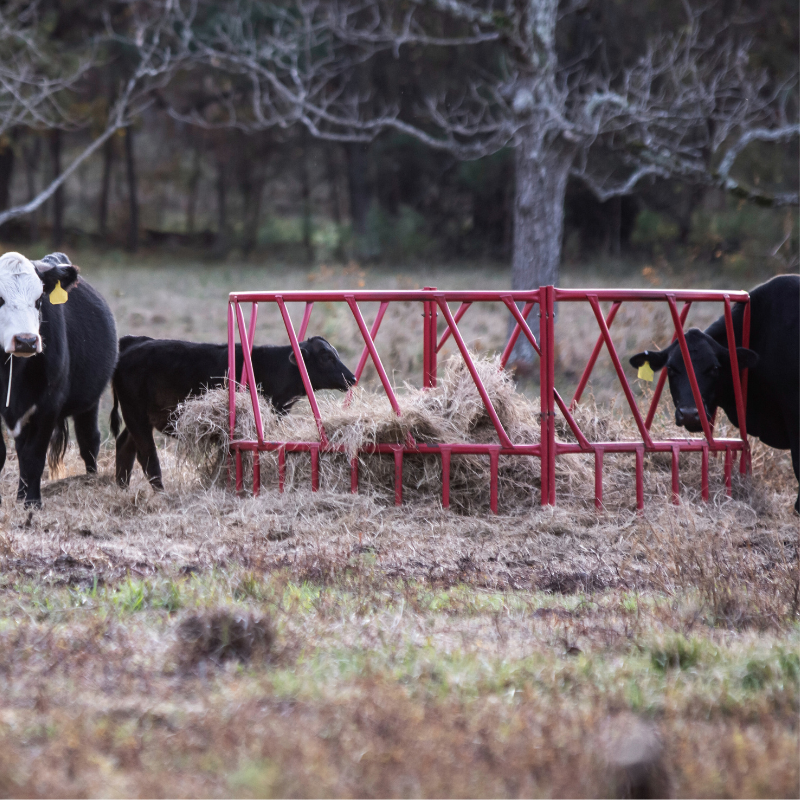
point(58, 296)
point(645, 373)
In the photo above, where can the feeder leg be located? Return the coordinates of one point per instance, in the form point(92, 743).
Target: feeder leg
point(445, 478)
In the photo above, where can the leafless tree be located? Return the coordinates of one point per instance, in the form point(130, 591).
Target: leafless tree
point(686, 108)
point(32, 78)
point(157, 45)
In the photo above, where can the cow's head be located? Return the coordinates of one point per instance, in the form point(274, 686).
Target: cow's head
point(324, 366)
point(712, 368)
point(24, 286)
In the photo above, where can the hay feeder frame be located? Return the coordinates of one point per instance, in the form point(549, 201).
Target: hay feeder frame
point(520, 305)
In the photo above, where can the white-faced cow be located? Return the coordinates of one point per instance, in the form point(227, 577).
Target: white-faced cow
point(773, 358)
point(153, 376)
point(61, 349)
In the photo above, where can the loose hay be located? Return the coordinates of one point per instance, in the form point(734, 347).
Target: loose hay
point(452, 412)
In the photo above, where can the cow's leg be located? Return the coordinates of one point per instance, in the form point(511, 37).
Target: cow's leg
point(140, 430)
point(148, 458)
point(146, 452)
point(87, 433)
point(31, 445)
point(2, 452)
point(126, 455)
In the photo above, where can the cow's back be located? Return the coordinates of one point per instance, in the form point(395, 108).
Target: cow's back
point(157, 374)
point(91, 336)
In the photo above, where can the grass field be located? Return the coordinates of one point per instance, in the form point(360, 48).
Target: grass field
point(196, 644)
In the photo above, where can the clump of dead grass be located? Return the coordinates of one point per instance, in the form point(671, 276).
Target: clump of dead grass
point(223, 635)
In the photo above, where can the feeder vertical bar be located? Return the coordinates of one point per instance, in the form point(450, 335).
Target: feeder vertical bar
point(445, 476)
point(398, 475)
point(676, 486)
point(256, 473)
point(587, 373)
point(746, 465)
point(728, 470)
point(544, 393)
point(301, 334)
point(494, 463)
point(429, 342)
point(301, 365)
point(640, 478)
point(741, 413)
point(239, 472)
point(662, 376)
point(281, 469)
point(314, 449)
point(354, 475)
point(687, 362)
point(704, 472)
point(231, 383)
point(598, 478)
point(551, 385)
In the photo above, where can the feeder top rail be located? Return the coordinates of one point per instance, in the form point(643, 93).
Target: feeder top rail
point(497, 295)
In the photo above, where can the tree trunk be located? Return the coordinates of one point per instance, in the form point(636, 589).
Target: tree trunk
point(133, 199)
point(541, 172)
point(58, 197)
point(105, 187)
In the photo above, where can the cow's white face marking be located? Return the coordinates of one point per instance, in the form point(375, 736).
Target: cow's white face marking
point(20, 292)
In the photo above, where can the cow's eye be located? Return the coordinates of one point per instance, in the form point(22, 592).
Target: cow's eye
point(38, 302)
point(2, 302)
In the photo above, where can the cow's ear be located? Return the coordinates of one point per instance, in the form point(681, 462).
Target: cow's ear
point(67, 276)
point(303, 348)
point(655, 358)
point(747, 359)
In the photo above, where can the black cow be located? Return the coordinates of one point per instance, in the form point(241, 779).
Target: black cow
point(153, 376)
point(61, 358)
point(773, 385)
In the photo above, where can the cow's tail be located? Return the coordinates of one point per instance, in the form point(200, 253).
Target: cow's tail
point(58, 447)
point(114, 419)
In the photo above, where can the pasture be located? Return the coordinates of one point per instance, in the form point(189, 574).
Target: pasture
point(196, 644)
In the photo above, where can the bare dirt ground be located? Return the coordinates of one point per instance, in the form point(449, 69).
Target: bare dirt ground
point(193, 643)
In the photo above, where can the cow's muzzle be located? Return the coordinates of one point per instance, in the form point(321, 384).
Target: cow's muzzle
point(25, 344)
point(688, 418)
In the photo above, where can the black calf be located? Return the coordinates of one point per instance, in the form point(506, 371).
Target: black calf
point(153, 376)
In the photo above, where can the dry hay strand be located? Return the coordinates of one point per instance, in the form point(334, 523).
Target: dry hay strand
point(223, 635)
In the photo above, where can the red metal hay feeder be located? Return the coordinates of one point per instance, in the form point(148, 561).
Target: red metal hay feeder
point(519, 305)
